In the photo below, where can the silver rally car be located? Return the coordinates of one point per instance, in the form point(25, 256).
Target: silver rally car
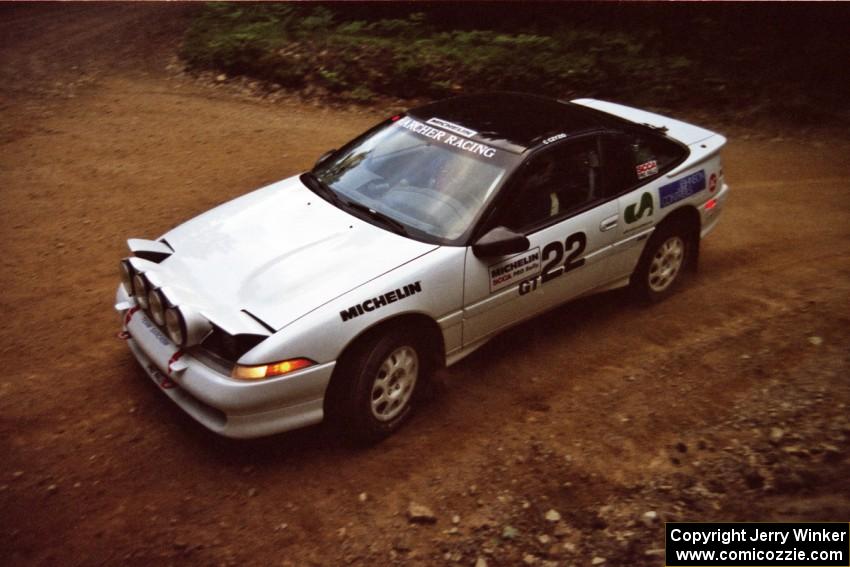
point(335, 293)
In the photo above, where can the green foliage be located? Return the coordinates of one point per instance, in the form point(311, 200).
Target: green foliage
point(296, 45)
point(735, 57)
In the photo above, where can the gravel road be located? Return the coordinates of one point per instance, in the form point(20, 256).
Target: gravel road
point(567, 440)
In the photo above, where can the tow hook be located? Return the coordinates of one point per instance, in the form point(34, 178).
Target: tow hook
point(175, 364)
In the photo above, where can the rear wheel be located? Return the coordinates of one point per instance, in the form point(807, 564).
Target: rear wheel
point(663, 263)
point(381, 383)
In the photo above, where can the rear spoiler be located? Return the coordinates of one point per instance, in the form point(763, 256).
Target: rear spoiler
point(686, 133)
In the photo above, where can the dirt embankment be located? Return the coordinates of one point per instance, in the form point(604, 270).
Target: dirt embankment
point(566, 440)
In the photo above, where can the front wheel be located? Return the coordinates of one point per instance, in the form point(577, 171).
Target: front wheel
point(662, 264)
point(381, 382)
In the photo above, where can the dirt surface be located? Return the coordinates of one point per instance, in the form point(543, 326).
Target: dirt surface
point(567, 440)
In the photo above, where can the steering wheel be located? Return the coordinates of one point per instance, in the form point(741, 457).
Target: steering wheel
point(374, 188)
point(441, 210)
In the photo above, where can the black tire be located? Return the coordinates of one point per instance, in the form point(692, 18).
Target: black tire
point(667, 255)
point(372, 396)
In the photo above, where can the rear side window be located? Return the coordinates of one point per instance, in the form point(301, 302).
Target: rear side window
point(634, 158)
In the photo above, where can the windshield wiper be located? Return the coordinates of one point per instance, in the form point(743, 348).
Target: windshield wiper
point(387, 221)
point(321, 188)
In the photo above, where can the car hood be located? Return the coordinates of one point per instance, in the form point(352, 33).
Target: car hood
point(279, 253)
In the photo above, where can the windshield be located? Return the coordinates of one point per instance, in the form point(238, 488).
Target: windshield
point(433, 182)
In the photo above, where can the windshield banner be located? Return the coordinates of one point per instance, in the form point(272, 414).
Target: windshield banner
point(417, 127)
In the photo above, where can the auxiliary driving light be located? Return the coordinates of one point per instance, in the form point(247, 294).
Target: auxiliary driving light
point(140, 290)
point(127, 275)
point(174, 326)
point(157, 303)
point(186, 326)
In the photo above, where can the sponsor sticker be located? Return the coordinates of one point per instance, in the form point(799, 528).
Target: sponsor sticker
point(452, 127)
point(554, 138)
point(163, 340)
point(514, 269)
point(712, 182)
point(682, 188)
point(637, 211)
point(647, 169)
point(382, 300)
point(444, 137)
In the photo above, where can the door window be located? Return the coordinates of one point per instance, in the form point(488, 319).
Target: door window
point(554, 184)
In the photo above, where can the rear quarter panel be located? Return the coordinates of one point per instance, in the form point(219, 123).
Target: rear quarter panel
point(693, 183)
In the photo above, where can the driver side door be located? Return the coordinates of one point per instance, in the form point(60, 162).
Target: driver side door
point(558, 202)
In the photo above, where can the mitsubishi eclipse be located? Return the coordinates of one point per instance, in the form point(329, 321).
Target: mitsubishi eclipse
point(335, 293)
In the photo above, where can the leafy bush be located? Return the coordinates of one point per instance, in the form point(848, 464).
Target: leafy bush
point(296, 45)
point(356, 52)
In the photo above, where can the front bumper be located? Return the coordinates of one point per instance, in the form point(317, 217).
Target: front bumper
point(233, 408)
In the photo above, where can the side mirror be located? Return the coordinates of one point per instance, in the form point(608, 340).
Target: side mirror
point(500, 241)
point(324, 157)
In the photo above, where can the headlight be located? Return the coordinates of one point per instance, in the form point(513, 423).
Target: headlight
point(140, 290)
point(127, 275)
point(157, 304)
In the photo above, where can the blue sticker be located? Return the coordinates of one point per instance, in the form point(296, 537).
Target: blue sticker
point(682, 189)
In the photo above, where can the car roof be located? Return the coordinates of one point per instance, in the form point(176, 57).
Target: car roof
point(512, 121)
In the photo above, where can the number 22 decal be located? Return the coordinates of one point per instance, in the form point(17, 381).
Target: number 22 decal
point(553, 254)
point(574, 245)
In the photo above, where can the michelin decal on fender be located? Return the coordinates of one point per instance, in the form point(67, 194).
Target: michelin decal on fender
point(380, 301)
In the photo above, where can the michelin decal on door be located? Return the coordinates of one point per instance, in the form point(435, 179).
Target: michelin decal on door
point(514, 269)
